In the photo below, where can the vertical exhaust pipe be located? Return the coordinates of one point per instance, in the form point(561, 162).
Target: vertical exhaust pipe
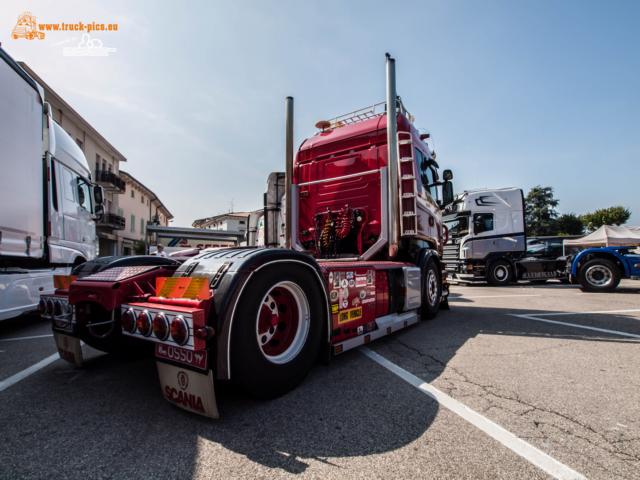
point(288, 170)
point(393, 204)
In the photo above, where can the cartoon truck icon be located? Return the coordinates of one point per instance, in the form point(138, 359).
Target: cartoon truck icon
point(26, 28)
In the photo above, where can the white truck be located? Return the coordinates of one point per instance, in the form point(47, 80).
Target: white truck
point(47, 201)
point(487, 240)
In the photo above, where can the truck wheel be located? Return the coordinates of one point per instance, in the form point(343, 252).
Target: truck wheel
point(599, 275)
point(499, 273)
point(276, 331)
point(431, 291)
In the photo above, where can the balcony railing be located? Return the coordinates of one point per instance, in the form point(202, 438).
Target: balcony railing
point(110, 180)
point(113, 221)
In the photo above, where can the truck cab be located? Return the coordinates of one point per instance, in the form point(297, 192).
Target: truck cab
point(50, 203)
point(486, 234)
point(74, 201)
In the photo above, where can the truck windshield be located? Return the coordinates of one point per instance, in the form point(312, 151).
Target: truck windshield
point(458, 224)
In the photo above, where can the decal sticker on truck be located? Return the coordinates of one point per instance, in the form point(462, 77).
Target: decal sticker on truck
point(350, 315)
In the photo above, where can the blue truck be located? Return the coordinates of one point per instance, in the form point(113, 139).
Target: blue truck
point(600, 269)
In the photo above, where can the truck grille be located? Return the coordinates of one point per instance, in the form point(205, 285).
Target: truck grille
point(451, 256)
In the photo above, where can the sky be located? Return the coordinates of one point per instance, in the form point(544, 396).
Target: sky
point(514, 93)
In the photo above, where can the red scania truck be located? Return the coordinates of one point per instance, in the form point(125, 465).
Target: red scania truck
point(364, 239)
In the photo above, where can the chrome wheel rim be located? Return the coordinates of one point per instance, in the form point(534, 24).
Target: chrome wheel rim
point(501, 273)
point(432, 287)
point(283, 322)
point(599, 275)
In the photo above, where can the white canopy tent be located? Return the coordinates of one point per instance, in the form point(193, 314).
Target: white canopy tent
point(608, 236)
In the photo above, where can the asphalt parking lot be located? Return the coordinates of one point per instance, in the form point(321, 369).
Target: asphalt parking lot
point(514, 382)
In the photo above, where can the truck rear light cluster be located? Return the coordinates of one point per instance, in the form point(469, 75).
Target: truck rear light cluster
point(56, 308)
point(179, 330)
point(143, 323)
point(161, 326)
point(128, 321)
point(172, 325)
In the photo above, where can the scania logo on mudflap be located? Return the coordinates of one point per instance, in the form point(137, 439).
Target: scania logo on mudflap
point(188, 389)
point(183, 380)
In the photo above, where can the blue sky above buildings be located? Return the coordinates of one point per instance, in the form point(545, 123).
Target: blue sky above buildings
point(514, 93)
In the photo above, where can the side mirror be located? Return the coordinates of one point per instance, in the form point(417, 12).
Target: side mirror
point(447, 191)
point(98, 212)
point(447, 175)
point(98, 196)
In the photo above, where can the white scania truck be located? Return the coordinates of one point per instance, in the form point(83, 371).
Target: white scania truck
point(47, 201)
point(487, 240)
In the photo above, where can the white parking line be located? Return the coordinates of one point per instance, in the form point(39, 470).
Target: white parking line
point(13, 379)
point(495, 296)
point(527, 451)
point(595, 312)
point(575, 325)
point(13, 339)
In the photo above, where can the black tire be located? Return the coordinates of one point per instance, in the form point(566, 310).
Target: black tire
point(499, 273)
point(251, 369)
point(599, 275)
point(431, 290)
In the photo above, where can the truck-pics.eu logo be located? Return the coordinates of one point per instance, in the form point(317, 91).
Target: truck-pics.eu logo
point(26, 27)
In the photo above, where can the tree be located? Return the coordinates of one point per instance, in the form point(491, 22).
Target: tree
point(540, 211)
point(568, 224)
point(605, 216)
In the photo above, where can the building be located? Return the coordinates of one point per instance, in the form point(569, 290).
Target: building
point(231, 221)
point(104, 161)
point(139, 206)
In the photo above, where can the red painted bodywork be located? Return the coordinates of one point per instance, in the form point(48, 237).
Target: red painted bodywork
point(366, 288)
point(111, 294)
point(351, 149)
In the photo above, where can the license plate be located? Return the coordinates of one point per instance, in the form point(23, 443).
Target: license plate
point(197, 359)
point(69, 348)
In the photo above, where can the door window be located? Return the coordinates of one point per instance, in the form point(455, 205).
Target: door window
point(84, 194)
point(482, 222)
point(426, 173)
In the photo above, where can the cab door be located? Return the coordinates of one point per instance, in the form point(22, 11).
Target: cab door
point(70, 207)
point(78, 224)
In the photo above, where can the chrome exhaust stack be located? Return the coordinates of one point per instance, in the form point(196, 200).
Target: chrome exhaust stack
point(288, 170)
point(393, 201)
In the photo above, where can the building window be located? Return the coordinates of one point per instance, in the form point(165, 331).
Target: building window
point(133, 223)
point(142, 226)
point(241, 222)
point(79, 142)
point(133, 194)
point(120, 212)
point(141, 198)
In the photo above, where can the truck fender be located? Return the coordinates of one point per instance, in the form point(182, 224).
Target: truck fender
point(426, 254)
point(589, 253)
point(239, 266)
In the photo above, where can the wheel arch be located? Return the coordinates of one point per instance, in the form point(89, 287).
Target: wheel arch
point(587, 255)
point(426, 254)
point(223, 353)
